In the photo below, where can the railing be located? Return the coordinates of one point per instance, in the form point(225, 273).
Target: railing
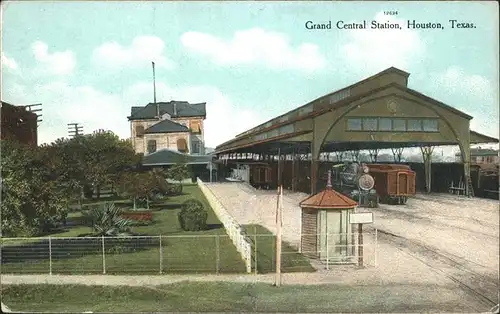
point(237, 234)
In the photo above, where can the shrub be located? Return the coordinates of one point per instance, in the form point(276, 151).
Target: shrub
point(174, 189)
point(106, 220)
point(193, 217)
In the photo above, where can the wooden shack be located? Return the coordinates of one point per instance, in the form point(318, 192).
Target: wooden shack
point(326, 231)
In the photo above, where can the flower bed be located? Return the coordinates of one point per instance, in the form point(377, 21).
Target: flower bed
point(138, 216)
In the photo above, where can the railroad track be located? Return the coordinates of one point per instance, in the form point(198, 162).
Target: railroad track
point(483, 287)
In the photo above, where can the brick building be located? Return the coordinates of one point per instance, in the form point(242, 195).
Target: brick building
point(18, 124)
point(174, 125)
point(482, 156)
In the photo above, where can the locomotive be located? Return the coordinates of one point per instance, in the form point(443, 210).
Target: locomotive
point(369, 184)
point(353, 180)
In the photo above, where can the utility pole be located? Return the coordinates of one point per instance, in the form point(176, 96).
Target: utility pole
point(35, 108)
point(75, 129)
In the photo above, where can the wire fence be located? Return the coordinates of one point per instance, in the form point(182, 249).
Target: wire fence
point(179, 254)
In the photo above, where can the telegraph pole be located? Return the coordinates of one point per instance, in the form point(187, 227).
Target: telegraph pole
point(75, 129)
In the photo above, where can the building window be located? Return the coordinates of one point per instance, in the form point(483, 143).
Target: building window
point(151, 146)
point(399, 125)
point(182, 145)
point(261, 136)
point(273, 133)
point(196, 147)
point(286, 129)
point(369, 124)
point(139, 131)
point(283, 119)
point(430, 125)
point(414, 125)
point(353, 124)
point(306, 110)
point(195, 127)
point(385, 124)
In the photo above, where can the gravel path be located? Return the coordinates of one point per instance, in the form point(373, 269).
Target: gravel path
point(250, 206)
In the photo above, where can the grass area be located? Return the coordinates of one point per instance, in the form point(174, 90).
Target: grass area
point(291, 260)
point(233, 297)
point(181, 252)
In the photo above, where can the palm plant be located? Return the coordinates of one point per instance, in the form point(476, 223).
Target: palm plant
point(106, 220)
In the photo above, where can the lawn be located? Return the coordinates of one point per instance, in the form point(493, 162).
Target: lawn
point(265, 242)
point(181, 252)
point(235, 297)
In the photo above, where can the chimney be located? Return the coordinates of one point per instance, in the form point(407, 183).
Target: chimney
point(175, 109)
point(329, 182)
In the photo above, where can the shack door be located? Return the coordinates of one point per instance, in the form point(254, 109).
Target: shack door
point(334, 236)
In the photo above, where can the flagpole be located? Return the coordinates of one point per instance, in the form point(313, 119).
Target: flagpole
point(154, 91)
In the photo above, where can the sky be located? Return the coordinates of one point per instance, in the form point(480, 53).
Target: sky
point(90, 62)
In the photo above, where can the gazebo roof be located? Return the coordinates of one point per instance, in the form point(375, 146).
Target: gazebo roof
point(328, 198)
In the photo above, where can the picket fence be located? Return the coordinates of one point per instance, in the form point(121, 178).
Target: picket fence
point(236, 233)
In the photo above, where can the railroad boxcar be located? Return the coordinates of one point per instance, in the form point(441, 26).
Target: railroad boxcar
point(394, 183)
point(260, 176)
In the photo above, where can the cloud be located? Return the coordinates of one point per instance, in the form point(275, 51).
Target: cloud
point(9, 63)
point(224, 119)
point(373, 50)
point(56, 63)
point(141, 52)
point(255, 46)
point(471, 93)
point(95, 109)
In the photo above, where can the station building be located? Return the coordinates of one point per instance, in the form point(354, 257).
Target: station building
point(379, 112)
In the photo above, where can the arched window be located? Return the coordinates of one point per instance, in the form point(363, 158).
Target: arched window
point(139, 131)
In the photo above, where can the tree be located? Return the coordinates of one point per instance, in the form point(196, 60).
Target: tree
point(160, 177)
point(94, 160)
point(179, 172)
point(34, 193)
point(138, 185)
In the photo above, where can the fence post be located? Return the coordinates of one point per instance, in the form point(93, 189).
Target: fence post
point(327, 254)
point(161, 257)
point(376, 246)
point(50, 255)
point(103, 257)
point(255, 246)
point(217, 254)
